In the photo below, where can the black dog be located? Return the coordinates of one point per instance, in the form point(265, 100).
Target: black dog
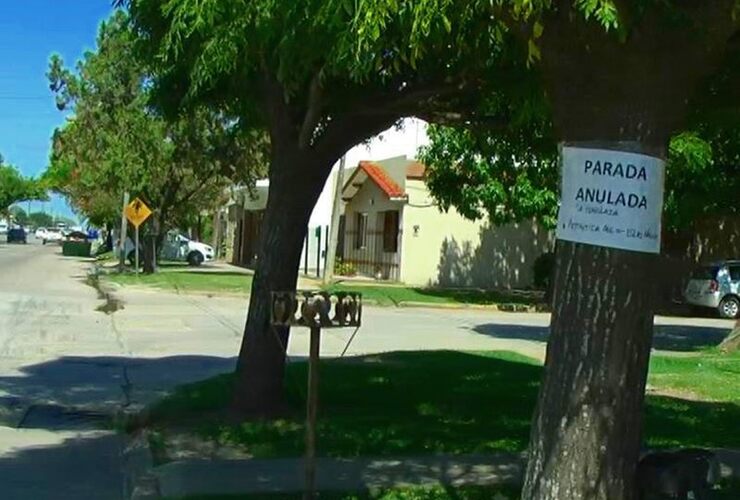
point(673, 474)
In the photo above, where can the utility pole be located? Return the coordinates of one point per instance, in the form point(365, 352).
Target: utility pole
point(122, 236)
point(331, 251)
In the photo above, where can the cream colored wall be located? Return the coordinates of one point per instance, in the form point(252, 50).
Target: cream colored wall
point(448, 250)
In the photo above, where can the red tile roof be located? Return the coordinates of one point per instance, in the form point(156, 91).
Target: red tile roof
point(415, 170)
point(381, 178)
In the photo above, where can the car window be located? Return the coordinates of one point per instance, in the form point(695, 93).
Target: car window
point(705, 273)
point(735, 273)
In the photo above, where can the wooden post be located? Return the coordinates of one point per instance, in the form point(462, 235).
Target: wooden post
point(311, 408)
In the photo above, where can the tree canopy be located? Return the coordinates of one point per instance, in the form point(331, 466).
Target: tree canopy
point(512, 174)
point(115, 142)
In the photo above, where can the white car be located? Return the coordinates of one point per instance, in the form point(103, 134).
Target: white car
point(177, 247)
point(52, 236)
point(40, 233)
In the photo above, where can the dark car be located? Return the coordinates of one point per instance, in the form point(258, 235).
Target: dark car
point(17, 235)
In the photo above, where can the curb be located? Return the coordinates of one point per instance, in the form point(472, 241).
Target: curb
point(505, 307)
point(139, 481)
point(111, 287)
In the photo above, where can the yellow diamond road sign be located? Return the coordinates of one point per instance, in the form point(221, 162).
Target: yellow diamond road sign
point(137, 212)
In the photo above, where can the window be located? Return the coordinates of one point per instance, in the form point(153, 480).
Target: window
point(705, 273)
point(735, 273)
point(361, 230)
point(390, 231)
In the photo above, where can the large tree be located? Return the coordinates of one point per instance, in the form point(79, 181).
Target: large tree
point(114, 142)
point(318, 77)
point(618, 76)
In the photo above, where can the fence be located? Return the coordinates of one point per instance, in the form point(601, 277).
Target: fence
point(368, 253)
point(313, 255)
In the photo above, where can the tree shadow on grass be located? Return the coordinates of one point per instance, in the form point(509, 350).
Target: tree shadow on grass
point(419, 403)
point(673, 422)
point(665, 337)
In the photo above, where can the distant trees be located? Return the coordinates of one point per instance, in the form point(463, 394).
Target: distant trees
point(115, 142)
point(19, 215)
point(40, 219)
point(14, 187)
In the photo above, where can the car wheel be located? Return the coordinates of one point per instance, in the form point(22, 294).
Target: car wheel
point(43, 242)
point(195, 258)
point(729, 307)
point(131, 258)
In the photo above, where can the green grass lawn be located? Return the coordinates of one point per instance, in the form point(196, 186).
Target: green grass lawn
point(394, 295)
point(443, 402)
point(711, 375)
point(177, 279)
point(173, 276)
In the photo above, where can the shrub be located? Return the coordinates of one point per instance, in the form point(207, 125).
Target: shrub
point(543, 267)
point(344, 268)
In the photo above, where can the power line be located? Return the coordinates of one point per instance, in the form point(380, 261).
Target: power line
point(25, 98)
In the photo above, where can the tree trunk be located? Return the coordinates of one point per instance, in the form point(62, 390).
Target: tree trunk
point(731, 343)
point(586, 433)
point(624, 96)
point(295, 185)
point(151, 243)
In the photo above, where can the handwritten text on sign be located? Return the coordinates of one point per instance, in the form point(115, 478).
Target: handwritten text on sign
point(611, 199)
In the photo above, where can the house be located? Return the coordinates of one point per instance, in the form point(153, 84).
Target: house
point(393, 229)
point(243, 213)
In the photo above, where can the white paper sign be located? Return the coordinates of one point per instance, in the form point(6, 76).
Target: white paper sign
point(611, 199)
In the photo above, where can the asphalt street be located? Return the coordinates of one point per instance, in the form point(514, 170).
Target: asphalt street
point(71, 355)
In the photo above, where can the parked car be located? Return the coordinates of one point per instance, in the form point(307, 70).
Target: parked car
point(177, 247)
point(16, 235)
point(716, 286)
point(40, 233)
point(52, 236)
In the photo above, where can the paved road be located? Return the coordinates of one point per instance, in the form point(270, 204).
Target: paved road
point(65, 362)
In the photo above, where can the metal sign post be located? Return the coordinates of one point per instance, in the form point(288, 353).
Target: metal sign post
point(136, 250)
point(312, 309)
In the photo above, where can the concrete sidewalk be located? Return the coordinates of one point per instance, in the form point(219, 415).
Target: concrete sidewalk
point(286, 475)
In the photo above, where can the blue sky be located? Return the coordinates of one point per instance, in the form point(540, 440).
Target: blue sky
point(30, 31)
